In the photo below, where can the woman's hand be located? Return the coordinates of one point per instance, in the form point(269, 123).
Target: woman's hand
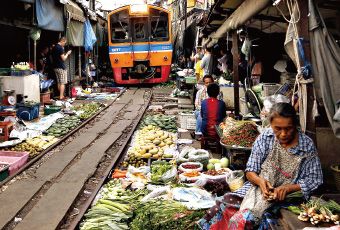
point(265, 187)
point(282, 191)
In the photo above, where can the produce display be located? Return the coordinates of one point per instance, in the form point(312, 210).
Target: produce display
point(42, 142)
point(218, 163)
point(317, 211)
point(164, 214)
point(213, 172)
point(165, 122)
point(239, 133)
point(190, 166)
point(150, 142)
point(87, 110)
point(63, 126)
point(133, 160)
point(26, 147)
point(162, 172)
point(114, 208)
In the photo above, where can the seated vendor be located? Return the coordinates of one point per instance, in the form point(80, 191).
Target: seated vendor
point(283, 160)
point(213, 111)
point(200, 96)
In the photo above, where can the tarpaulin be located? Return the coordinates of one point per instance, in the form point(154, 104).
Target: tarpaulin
point(247, 10)
point(49, 15)
point(325, 64)
point(89, 36)
point(75, 24)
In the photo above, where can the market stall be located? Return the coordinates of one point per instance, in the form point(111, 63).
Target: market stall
point(163, 182)
point(29, 130)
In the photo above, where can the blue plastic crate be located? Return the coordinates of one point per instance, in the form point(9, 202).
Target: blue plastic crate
point(28, 112)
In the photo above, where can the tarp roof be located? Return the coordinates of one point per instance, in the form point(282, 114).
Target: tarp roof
point(231, 14)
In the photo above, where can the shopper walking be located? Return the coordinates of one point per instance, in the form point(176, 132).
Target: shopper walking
point(59, 56)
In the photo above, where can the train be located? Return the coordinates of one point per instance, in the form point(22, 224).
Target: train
point(140, 44)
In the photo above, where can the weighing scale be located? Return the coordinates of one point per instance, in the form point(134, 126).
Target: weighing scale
point(8, 98)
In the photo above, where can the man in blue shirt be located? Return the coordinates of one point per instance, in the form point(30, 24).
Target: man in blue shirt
point(59, 56)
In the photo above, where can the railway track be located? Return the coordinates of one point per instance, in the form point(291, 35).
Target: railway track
point(56, 189)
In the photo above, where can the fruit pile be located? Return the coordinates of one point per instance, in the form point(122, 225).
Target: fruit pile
point(150, 142)
point(133, 161)
point(26, 147)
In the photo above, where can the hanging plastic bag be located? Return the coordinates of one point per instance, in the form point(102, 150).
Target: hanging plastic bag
point(245, 49)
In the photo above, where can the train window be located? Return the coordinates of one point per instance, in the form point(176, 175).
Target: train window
point(120, 26)
point(159, 25)
point(140, 31)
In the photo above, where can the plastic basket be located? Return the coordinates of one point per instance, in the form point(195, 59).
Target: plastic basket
point(20, 73)
point(187, 120)
point(28, 112)
point(4, 171)
point(270, 89)
point(15, 160)
point(336, 173)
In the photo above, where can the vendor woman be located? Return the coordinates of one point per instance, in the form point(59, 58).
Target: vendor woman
point(283, 160)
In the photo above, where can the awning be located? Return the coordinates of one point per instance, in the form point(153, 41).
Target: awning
point(49, 15)
point(75, 24)
point(75, 12)
point(241, 15)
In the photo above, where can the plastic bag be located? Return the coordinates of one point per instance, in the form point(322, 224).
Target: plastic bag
point(184, 154)
point(193, 198)
point(156, 193)
point(170, 175)
point(198, 154)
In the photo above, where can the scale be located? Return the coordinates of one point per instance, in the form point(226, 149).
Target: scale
point(8, 98)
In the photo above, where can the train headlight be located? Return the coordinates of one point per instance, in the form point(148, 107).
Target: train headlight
point(116, 60)
point(139, 9)
point(165, 58)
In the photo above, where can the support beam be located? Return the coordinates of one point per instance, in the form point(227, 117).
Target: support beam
point(304, 33)
point(235, 75)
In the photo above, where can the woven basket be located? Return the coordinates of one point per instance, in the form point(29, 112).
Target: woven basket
point(336, 173)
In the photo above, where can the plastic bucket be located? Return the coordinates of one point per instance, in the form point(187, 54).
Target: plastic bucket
point(235, 180)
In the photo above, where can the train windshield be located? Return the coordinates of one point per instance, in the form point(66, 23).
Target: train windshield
point(159, 25)
point(120, 26)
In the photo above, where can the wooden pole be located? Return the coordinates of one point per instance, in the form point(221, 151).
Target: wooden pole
point(302, 27)
point(236, 75)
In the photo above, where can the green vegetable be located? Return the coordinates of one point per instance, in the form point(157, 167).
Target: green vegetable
point(294, 209)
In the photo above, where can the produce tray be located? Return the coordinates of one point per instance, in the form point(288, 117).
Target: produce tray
point(234, 146)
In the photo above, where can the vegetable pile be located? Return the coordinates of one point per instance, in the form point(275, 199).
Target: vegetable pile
point(165, 122)
point(63, 126)
point(317, 211)
point(113, 210)
point(162, 172)
point(164, 214)
point(239, 133)
point(87, 109)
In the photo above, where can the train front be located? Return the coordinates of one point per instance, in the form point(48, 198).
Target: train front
point(140, 44)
